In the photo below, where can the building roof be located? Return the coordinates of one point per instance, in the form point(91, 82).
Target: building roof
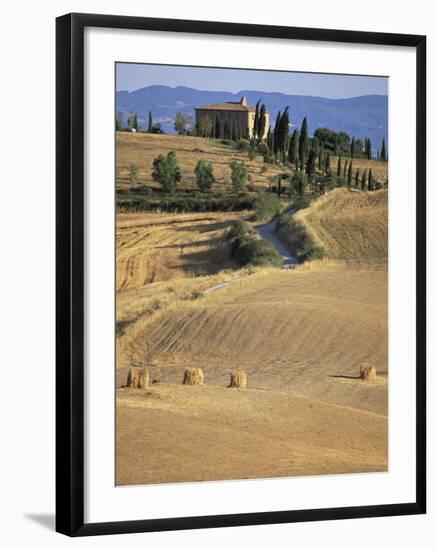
point(228, 106)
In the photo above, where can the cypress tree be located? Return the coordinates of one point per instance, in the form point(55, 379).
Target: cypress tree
point(270, 140)
point(217, 127)
point(256, 120)
point(311, 162)
point(349, 175)
point(234, 131)
point(150, 125)
point(339, 167)
point(262, 120)
point(283, 132)
point(363, 181)
point(327, 163)
point(303, 141)
point(352, 147)
point(293, 147)
point(370, 181)
point(357, 179)
point(383, 151)
point(345, 169)
point(275, 133)
point(368, 149)
point(320, 159)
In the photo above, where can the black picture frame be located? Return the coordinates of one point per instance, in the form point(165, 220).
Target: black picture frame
point(70, 273)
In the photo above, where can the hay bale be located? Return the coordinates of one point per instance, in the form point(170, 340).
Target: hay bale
point(193, 376)
point(238, 380)
point(367, 371)
point(143, 379)
point(132, 378)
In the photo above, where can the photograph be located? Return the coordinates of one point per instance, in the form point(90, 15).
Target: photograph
point(251, 259)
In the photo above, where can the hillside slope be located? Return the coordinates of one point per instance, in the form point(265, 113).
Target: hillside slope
point(350, 225)
point(305, 331)
point(358, 116)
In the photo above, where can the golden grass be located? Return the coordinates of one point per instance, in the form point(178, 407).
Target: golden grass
point(155, 247)
point(175, 433)
point(141, 149)
point(302, 330)
point(350, 225)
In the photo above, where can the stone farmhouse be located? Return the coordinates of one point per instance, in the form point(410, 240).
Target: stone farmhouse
point(231, 117)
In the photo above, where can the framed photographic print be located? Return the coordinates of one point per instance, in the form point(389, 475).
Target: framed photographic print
point(240, 274)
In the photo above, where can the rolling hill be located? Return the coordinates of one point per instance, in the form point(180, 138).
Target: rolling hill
point(358, 116)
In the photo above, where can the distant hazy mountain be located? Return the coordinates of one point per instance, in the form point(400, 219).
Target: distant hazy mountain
point(358, 116)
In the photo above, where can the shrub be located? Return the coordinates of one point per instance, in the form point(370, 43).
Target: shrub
point(267, 206)
point(239, 228)
point(242, 144)
point(263, 149)
point(296, 236)
point(252, 153)
point(204, 175)
point(298, 183)
point(239, 174)
point(133, 175)
point(256, 252)
point(128, 202)
point(166, 171)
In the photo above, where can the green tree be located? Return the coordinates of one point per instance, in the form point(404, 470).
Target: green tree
point(320, 160)
point(368, 149)
point(181, 123)
point(133, 122)
point(293, 149)
point(234, 131)
point(239, 175)
point(256, 120)
point(383, 151)
point(357, 179)
point(217, 127)
point(118, 123)
point(204, 175)
point(311, 163)
point(282, 132)
point(345, 169)
point(326, 138)
point(349, 175)
point(339, 167)
point(133, 175)
point(370, 182)
point(364, 181)
point(166, 171)
point(352, 147)
point(262, 121)
point(270, 140)
point(150, 125)
point(275, 134)
point(327, 163)
point(299, 182)
point(303, 141)
point(204, 127)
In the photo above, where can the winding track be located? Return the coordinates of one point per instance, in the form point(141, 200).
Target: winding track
point(268, 233)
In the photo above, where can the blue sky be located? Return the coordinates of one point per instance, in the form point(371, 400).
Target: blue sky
point(132, 76)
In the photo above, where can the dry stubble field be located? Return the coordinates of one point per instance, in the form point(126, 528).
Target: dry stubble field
point(299, 334)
